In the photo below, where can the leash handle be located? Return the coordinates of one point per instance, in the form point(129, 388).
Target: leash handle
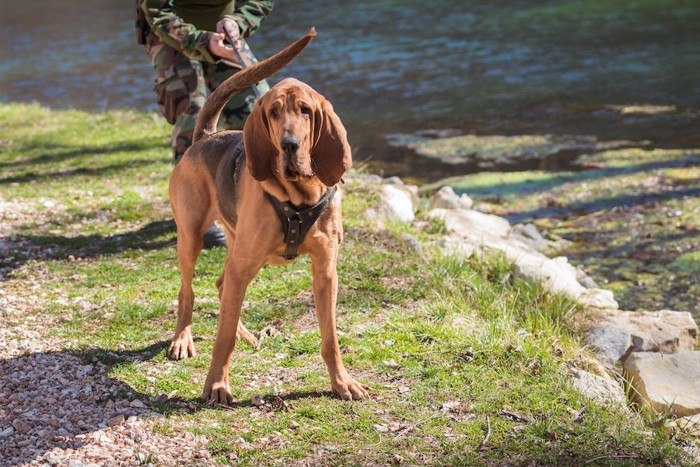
point(240, 60)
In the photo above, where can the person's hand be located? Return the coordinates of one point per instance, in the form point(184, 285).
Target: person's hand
point(217, 46)
point(218, 42)
point(228, 25)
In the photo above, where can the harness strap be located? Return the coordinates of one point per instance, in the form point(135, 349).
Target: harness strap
point(297, 221)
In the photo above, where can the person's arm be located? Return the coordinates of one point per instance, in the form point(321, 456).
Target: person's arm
point(175, 32)
point(249, 14)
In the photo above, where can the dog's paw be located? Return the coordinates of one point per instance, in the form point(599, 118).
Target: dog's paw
point(243, 333)
point(217, 393)
point(350, 390)
point(182, 346)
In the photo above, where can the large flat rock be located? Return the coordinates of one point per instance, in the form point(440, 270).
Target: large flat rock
point(616, 335)
point(666, 382)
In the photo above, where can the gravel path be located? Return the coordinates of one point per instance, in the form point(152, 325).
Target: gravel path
point(58, 409)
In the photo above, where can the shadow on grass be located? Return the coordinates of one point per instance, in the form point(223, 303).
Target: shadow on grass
point(67, 400)
point(18, 249)
point(81, 171)
point(51, 152)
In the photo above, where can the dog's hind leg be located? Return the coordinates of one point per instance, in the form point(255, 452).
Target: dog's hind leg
point(242, 332)
point(189, 198)
point(188, 248)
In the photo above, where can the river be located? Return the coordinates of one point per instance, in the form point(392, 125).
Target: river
point(483, 67)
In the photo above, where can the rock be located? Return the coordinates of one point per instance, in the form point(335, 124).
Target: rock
point(664, 331)
point(7, 432)
point(115, 421)
point(617, 335)
point(381, 428)
point(556, 274)
point(483, 207)
point(600, 389)
point(528, 231)
point(393, 181)
point(21, 425)
point(528, 235)
point(446, 198)
point(597, 298)
point(412, 192)
point(612, 345)
point(465, 201)
point(137, 404)
point(453, 246)
point(397, 204)
point(584, 279)
point(689, 425)
point(257, 400)
point(668, 383)
point(413, 243)
point(473, 225)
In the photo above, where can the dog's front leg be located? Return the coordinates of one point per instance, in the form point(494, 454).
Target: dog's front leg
point(325, 285)
point(234, 285)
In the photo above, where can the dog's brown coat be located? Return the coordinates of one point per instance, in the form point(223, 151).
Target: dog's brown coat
point(202, 190)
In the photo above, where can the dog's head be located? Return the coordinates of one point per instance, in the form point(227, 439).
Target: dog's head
point(294, 134)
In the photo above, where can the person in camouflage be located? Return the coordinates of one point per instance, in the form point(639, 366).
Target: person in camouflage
point(186, 43)
point(187, 46)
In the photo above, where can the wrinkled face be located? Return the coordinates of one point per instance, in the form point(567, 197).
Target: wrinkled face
point(289, 109)
point(293, 134)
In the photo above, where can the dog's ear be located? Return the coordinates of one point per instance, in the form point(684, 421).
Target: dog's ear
point(330, 154)
point(260, 153)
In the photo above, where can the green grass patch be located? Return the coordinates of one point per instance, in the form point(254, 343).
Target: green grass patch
point(456, 351)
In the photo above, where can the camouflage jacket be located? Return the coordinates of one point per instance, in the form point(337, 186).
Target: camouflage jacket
point(187, 25)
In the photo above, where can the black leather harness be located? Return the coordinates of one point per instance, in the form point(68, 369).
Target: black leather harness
point(297, 220)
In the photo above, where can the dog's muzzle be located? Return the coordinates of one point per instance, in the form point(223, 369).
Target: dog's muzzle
point(289, 144)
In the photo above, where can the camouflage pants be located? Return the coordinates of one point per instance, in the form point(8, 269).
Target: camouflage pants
point(183, 84)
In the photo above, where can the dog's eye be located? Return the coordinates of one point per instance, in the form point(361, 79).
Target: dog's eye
point(305, 110)
point(274, 113)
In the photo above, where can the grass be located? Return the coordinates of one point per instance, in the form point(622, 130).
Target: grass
point(466, 361)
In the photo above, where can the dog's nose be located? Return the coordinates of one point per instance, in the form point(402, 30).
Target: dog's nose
point(289, 144)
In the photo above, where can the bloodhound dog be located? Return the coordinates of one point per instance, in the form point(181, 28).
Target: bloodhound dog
point(293, 151)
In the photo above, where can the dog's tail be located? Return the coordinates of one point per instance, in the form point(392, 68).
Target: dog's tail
point(209, 115)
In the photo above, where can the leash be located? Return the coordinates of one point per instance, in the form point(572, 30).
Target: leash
point(240, 60)
point(296, 222)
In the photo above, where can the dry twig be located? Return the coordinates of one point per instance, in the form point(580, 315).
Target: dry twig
point(488, 434)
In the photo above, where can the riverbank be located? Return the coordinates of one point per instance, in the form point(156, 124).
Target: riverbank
point(468, 363)
point(632, 216)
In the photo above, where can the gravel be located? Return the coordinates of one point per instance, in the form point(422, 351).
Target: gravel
point(56, 408)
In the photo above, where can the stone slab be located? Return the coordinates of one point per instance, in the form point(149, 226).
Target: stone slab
point(617, 334)
point(668, 383)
